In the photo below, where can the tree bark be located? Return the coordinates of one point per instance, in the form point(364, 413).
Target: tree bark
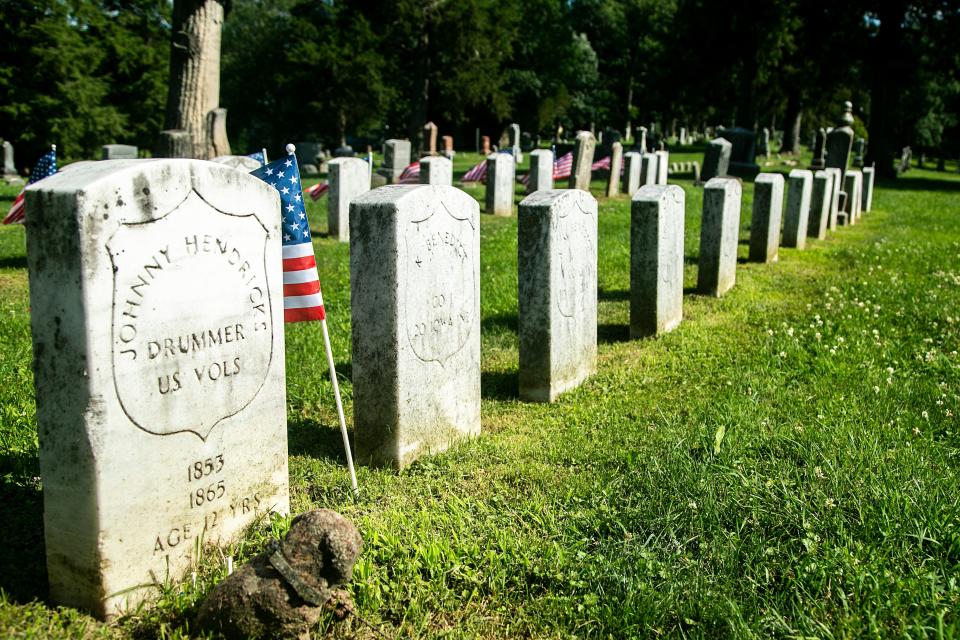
point(886, 74)
point(791, 124)
point(194, 88)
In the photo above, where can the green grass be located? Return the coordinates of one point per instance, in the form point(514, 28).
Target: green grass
point(783, 464)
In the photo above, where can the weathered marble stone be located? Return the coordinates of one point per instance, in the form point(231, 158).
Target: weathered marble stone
point(682, 138)
point(763, 143)
point(853, 186)
point(642, 139)
point(716, 159)
point(448, 147)
point(119, 152)
point(616, 164)
point(719, 233)
point(649, 170)
point(501, 173)
point(656, 260)
point(240, 163)
point(485, 150)
point(869, 173)
point(430, 139)
point(348, 178)
point(9, 168)
point(834, 197)
point(541, 170)
point(819, 149)
point(174, 143)
point(663, 159)
point(767, 216)
point(795, 221)
point(219, 144)
point(415, 299)
point(515, 143)
point(396, 158)
point(820, 199)
point(436, 170)
point(582, 161)
point(557, 274)
point(157, 299)
point(859, 149)
point(631, 173)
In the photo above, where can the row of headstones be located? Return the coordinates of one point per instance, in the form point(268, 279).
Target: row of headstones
point(157, 323)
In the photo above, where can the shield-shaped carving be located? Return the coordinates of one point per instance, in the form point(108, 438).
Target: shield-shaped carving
point(576, 273)
point(192, 321)
point(440, 287)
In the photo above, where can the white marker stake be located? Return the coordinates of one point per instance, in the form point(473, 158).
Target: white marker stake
point(336, 392)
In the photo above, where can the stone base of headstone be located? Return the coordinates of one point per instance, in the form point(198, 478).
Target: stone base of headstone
point(174, 143)
point(119, 152)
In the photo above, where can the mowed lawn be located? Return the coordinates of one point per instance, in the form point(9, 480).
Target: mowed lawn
point(784, 464)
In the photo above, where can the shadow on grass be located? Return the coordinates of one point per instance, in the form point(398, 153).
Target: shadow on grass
point(13, 262)
point(23, 563)
point(609, 333)
point(919, 184)
point(500, 385)
point(604, 294)
point(496, 324)
point(316, 440)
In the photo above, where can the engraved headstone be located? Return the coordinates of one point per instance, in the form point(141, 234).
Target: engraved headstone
point(157, 299)
point(656, 260)
point(396, 158)
point(663, 158)
point(541, 170)
point(9, 168)
point(766, 218)
point(349, 178)
point(649, 170)
point(436, 170)
point(834, 197)
point(820, 199)
point(853, 186)
point(415, 300)
point(119, 152)
point(719, 233)
point(582, 161)
point(795, 220)
point(616, 164)
point(631, 173)
point(501, 173)
point(716, 159)
point(557, 272)
point(869, 173)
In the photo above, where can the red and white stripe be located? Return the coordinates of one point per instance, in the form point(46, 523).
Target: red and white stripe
point(302, 299)
point(410, 175)
point(318, 190)
point(477, 174)
point(602, 163)
point(17, 211)
point(563, 166)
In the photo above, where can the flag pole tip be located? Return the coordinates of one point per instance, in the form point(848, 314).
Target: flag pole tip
point(291, 149)
point(54, 147)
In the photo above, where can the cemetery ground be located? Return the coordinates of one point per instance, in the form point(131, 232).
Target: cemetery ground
point(785, 463)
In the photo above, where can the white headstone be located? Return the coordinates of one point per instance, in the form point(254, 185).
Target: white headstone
point(649, 171)
point(796, 218)
point(656, 260)
point(582, 170)
point(500, 177)
point(662, 165)
point(541, 170)
point(415, 300)
point(766, 217)
point(869, 173)
point(853, 185)
point(515, 143)
point(631, 174)
point(396, 158)
point(719, 235)
point(119, 152)
point(349, 178)
point(820, 199)
point(157, 314)
point(835, 189)
point(436, 170)
point(616, 164)
point(557, 269)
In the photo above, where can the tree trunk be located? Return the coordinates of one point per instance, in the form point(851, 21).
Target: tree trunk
point(887, 70)
point(747, 107)
point(791, 124)
point(628, 134)
point(195, 70)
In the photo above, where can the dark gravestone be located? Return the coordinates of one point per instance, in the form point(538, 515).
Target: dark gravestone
point(308, 152)
point(174, 143)
point(819, 149)
point(716, 159)
point(840, 141)
point(346, 151)
point(609, 137)
point(743, 154)
point(859, 150)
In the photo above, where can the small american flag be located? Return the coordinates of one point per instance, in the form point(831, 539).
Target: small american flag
point(602, 163)
point(477, 174)
point(318, 190)
point(46, 166)
point(410, 175)
point(302, 299)
point(563, 166)
point(258, 156)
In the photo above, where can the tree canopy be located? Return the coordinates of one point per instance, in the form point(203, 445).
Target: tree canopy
point(83, 73)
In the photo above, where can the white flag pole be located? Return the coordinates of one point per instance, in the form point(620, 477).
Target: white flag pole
point(336, 390)
point(264, 151)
